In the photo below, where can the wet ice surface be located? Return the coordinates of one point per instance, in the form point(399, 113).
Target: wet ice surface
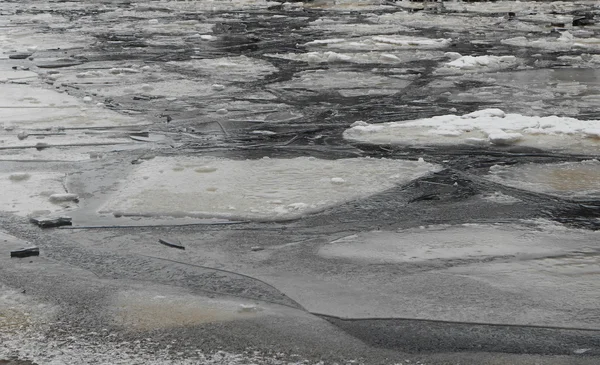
point(162, 113)
point(568, 179)
point(262, 189)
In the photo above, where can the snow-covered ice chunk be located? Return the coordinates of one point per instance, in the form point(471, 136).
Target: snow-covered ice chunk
point(476, 63)
point(492, 126)
point(469, 241)
point(209, 187)
point(568, 179)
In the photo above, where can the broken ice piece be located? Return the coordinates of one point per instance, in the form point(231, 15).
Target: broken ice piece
point(25, 252)
point(65, 197)
point(49, 222)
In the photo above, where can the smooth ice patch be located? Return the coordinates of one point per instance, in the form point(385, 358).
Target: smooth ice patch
point(24, 106)
point(469, 241)
point(25, 194)
point(484, 128)
point(269, 189)
point(568, 179)
point(347, 83)
point(232, 69)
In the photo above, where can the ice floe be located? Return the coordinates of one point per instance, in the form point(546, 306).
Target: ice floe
point(29, 107)
point(485, 128)
point(568, 179)
point(264, 189)
point(485, 63)
point(232, 69)
point(380, 42)
point(347, 83)
point(469, 241)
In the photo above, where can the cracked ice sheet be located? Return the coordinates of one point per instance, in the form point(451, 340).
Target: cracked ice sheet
point(486, 128)
point(29, 193)
point(568, 179)
point(231, 69)
point(264, 189)
point(29, 107)
point(467, 241)
point(347, 83)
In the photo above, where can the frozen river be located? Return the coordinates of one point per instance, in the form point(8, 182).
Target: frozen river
point(351, 180)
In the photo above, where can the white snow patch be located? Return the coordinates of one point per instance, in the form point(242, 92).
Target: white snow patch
point(208, 187)
point(500, 198)
point(476, 63)
point(490, 126)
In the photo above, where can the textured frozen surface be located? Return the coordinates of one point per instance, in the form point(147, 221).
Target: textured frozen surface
point(380, 42)
point(461, 63)
point(26, 193)
point(444, 242)
point(231, 69)
point(347, 83)
point(359, 57)
point(484, 128)
point(569, 179)
point(24, 106)
point(255, 189)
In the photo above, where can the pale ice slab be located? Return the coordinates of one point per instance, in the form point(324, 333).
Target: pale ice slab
point(29, 107)
point(469, 241)
point(486, 63)
point(347, 83)
point(269, 189)
point(26, 193)
point(484, 128)
point(380, 42)
point(568, 179)
point(232, 69)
